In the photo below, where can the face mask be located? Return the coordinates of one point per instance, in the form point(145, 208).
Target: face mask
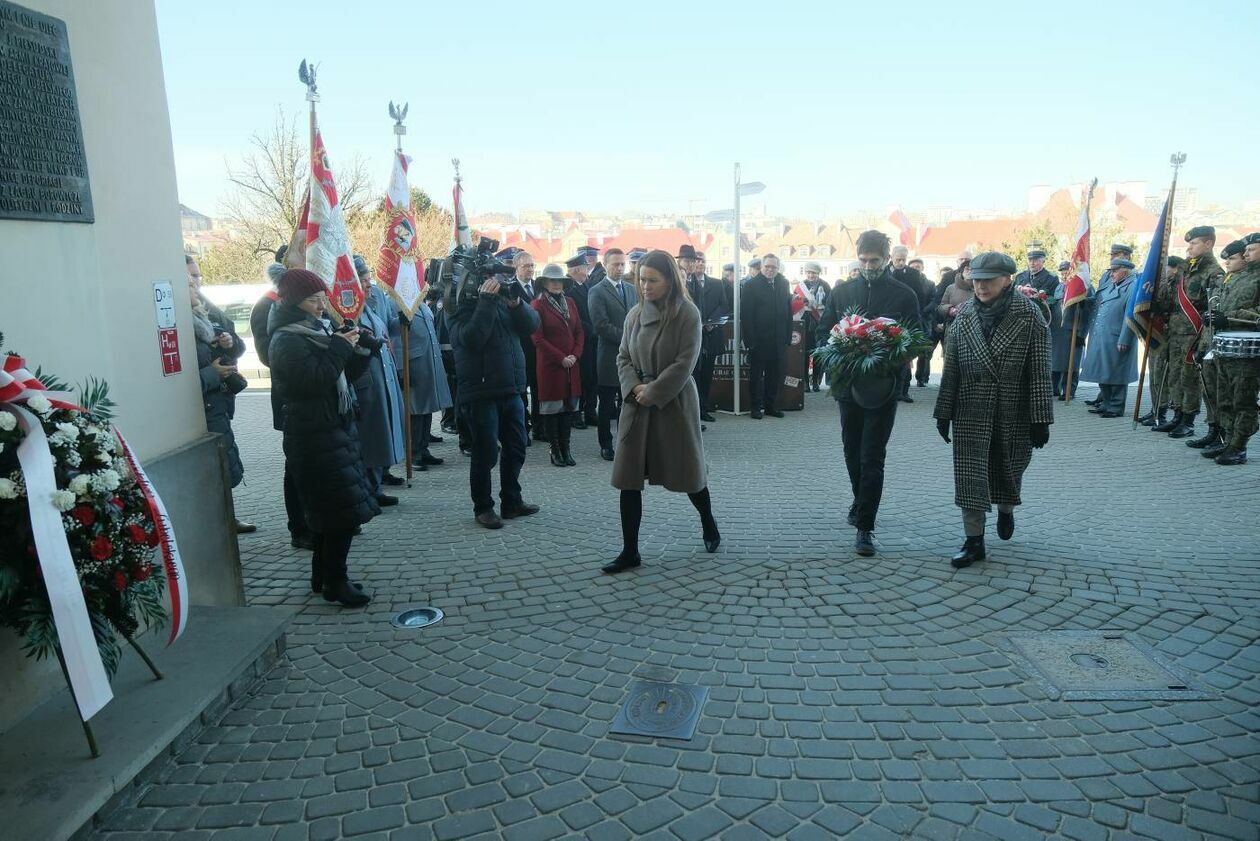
point(872, 273)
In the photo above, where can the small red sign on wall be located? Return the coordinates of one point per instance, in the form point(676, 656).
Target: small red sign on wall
point(168, 335)
point(168, 346)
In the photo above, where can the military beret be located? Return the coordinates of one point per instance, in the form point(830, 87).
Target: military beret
point(991, 264)
point(1120, 264)
point(1201, 231)
point(1037, 254)
point(1251, 239)
point(574, 262)
point(812, 267)
point(1066, 264)
point(1121, 248)
point(1175, 262)
point(1233, 249)
point(360, 265)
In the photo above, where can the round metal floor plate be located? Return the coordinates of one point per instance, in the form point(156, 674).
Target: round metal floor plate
point(419, 617)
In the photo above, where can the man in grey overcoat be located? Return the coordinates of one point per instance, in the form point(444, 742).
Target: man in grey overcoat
point(609, 301)
point(1061, 333)
point(378, 392)
point(1111, 355)
point(429, 390)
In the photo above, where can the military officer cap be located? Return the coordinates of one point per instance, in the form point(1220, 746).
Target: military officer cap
point(1233, 249)
point(1251, 239)
point(587, 250)
point(508, 254)
point(1175, 262)
point(1201, 231)
point(1118, 263)
point(1121, 248)
point(360, 265)
point(754, 263)
point(812, 267)
point(634, 255)
point(1037, 254)
point(991, 264)
point(1065, 265)
point(728, 267)
point(574, 262)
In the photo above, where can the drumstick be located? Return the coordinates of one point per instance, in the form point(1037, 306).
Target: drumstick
point(1243, 321)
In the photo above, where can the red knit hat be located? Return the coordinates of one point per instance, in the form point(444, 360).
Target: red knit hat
point(296, 285)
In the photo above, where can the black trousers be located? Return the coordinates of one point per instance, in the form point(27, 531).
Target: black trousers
point(421, 429)
point(331, 550)
point(703, 375)
point(765, 377)
point(609, 407)
point(530, 396)
point(865, 433)
point(293, 506)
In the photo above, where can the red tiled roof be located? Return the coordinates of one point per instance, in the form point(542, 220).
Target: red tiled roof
point(1135, 218)
point(973, 234)
point(666, 239)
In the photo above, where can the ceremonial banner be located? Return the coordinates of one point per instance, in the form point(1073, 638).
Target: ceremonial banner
point(1137, 313)
point(295, 256)
point(463, 235)
point(328, 251)
point(400, 265)
point(800, 297)
point(1077, 286)
point(907, 230)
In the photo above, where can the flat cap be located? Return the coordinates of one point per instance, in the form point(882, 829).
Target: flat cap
point(1233, 249)
point(812, 267)
point(575, 262)
point(1201, 231)
point(1121, 248)
point(1037, 254)
point(1120, 263)
point(991, 264)
point(1065, 265)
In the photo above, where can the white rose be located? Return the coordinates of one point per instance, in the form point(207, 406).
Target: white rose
point(81, 484)
point(111, 479)
point(69, 430)
point(63, 500)
point(39, 405)
point(8, 489)
point(7, 422)
point(73, 459)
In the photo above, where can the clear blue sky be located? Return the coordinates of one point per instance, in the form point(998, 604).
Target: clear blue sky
point(836, 105)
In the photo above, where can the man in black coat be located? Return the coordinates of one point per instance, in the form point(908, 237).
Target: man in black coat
point(524, 264)
point(579, 270)
point(923, 289)
point(865, 431)
point(486, 330)
point(709, 296)
point(765, 324)
point(1037, 275)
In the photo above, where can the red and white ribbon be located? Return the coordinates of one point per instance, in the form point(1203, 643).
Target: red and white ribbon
point(177, 581)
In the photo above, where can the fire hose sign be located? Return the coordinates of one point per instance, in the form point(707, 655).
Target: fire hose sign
point(168, 333)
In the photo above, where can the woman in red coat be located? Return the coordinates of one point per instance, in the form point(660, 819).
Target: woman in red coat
point(558, 343)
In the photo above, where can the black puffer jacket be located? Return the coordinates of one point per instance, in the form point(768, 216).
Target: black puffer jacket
point(320, 443)
point(486, 337)
point(880, 298)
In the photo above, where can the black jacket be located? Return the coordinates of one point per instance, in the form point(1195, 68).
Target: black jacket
point(486, 336)
point(321, 443)
point(923, 289)
point(711, 301)
point(259, 321)
point(882, 298)
point(1042, 281)
point(765, 313)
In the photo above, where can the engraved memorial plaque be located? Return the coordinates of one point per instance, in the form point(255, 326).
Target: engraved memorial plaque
point(43, 165)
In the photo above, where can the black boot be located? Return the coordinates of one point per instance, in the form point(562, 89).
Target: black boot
point(1005, 524)
point(1232, 456)
point(863, 544)
point(553, 437)
point(972, 550)
point(1214, 450)
point(566, 434)
point(1213, 436)
point(1186, 428)
point(1169, 425)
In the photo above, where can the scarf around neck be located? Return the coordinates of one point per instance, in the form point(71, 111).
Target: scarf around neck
point(320, 337)
point(991, 314)
point(559, 304)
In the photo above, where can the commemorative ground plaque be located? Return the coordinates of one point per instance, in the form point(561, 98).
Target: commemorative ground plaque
point(43, 168)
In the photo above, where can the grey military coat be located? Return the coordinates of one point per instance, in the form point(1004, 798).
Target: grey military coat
point(609, 307)
point(658, 440)
point(1104, 363)
point(429, 391)
point(991, 391)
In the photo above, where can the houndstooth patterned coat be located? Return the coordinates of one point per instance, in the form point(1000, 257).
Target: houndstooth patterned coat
point(992, 390)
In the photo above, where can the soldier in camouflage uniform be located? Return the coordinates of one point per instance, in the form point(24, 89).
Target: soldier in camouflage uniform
point(1212, 442)
point(1198, 277)
point(1159, 358)
point(1238, 379)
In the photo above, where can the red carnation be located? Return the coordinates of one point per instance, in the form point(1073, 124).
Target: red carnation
point(141, 572)
point(151, 539)
point(120, 580)
point(117, 503)
point(85, 515)
point(101, 548)
point(137, 534)
point(894, 331)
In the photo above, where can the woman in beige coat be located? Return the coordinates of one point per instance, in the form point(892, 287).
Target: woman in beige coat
point(659, 435)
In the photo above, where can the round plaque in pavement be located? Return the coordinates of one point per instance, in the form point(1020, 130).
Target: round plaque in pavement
point(419, 617)
point(667, 710)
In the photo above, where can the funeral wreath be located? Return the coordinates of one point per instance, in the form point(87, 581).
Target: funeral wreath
point(861, 349)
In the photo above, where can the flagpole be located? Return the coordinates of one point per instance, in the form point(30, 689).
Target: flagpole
point(405, 323)
point(1076, 313)
point(306, 73)
point(1176, 160)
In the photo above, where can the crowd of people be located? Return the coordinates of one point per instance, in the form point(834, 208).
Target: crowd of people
point(509, 359)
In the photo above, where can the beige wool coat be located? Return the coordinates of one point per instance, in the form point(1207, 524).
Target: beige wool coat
point(659, 436)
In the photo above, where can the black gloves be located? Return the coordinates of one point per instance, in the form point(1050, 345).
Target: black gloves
point(942, 426)
point(1219, 320)
point(1039, 434)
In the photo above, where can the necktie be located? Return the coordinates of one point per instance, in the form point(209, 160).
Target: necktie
point(621, 290)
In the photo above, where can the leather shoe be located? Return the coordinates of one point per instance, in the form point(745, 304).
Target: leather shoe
point(345, 594)
point(1093, 402)
point(712, 540)
point(243, 527)
point(1232, 456)
point(302, 541)
point(1147, 419)
point(623, 563)
point(418, 467)
point(1108, 414)
point(755, 415)
point(863, 544)
point(1183, 431)
point(852, 519)
point(386, 500)
point(1170, 424)
point(579, 422)
point(489, 520)
point(607, 453)
point(1006, 524)
point(428, 459)
point(774, 413)
point(1059, 398)
point(1096, 410)
point(905, 398)
point(707, 417)
point(972, 550)
point(434, 439)
point(391, 479)
point(524, 509)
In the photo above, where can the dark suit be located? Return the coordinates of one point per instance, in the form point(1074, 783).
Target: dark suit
point(709, 296)
point(765, 316)
point(580, 293)
point(528, 293)
point(609, 306)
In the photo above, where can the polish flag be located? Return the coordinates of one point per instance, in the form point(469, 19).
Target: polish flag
point(328, 252)
point(907, 230)
point(1078, 284)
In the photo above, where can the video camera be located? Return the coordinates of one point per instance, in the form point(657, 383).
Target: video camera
point(479, 264)
point(367, 339)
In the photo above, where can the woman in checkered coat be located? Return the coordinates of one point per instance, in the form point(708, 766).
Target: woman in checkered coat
point(996, 395)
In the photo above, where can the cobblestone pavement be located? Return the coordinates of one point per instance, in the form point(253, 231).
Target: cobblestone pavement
point(859, 698)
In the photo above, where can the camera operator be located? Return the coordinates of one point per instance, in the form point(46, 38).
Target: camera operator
point(218, 348)
point(487, 321)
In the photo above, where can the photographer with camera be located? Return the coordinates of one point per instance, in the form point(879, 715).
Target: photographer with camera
point(486, 321)
point(218, 348)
